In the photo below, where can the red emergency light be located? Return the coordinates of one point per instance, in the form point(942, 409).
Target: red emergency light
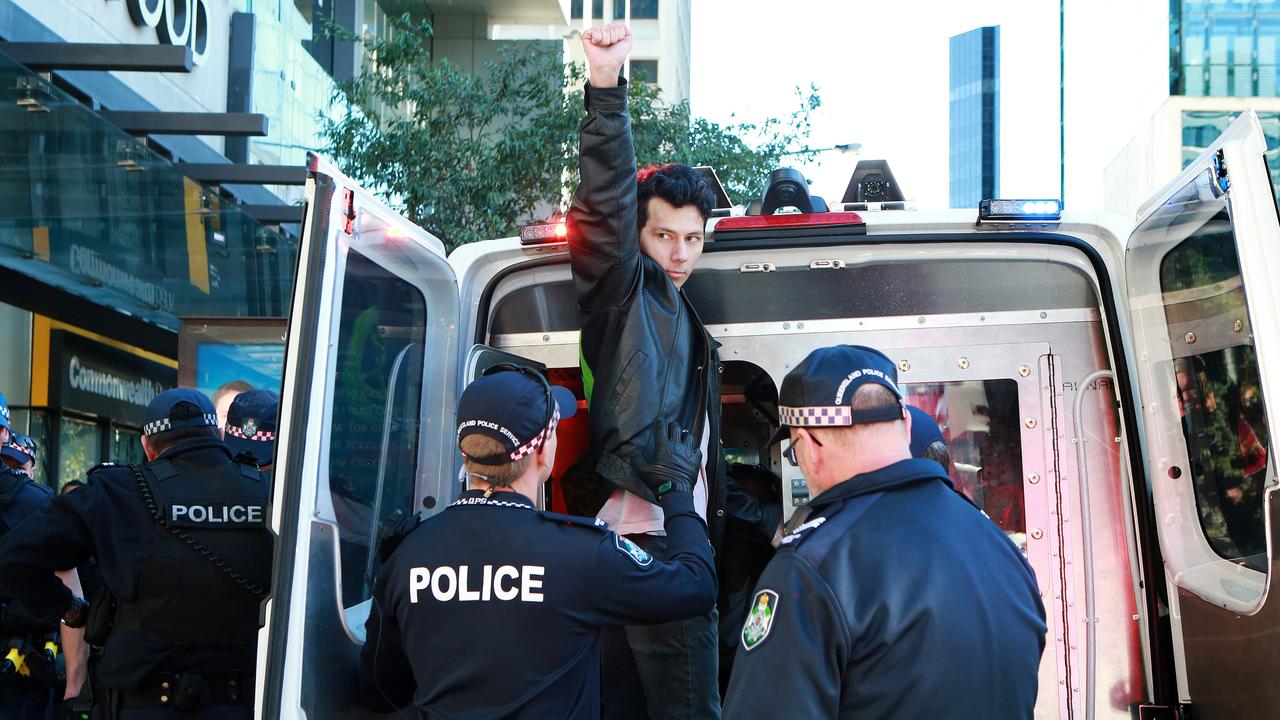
point(544, 233)
point(745, 227)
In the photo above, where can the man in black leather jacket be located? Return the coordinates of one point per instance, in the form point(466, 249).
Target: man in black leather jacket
point(645, 355)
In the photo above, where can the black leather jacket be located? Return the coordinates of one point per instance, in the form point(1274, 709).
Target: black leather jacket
point(645, 353)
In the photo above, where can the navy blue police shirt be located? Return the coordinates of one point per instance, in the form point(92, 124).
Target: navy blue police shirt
point(493, 609)
point(896, 598)
point(29, 498)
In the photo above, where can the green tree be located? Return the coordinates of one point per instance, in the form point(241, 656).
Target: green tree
point(472, 156)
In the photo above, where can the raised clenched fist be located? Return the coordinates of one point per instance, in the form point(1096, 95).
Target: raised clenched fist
point(606, 49)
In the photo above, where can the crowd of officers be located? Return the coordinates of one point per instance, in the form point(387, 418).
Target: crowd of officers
point(889, 596)
point(135, 594)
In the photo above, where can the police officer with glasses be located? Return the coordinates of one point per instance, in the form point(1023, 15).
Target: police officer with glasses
point(185, 557)
point(493, 607)
point(896, 598)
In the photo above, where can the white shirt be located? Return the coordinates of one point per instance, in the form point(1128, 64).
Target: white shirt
point(629, 514)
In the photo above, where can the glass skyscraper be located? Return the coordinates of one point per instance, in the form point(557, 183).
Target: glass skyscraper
point(975, 116)
point(1224, 48)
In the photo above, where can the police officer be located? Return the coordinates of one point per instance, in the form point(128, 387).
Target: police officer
point(29, 678)
point(250, 431)
point(493, 608)
point(185, 557)
point(896, 598)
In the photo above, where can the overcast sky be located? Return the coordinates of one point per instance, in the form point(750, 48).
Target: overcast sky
point(882, 69)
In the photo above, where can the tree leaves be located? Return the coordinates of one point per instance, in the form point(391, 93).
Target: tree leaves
point(473, 156)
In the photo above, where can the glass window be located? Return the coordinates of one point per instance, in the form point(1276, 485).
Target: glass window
point(640, 9)
point(126, 446)
point(979, 421)
point(1201, 127)
point(373, 444)
point(644, 70)
point(79, 449)
point(1219, 392)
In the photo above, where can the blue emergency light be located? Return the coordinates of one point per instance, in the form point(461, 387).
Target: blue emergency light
point(1019, 210)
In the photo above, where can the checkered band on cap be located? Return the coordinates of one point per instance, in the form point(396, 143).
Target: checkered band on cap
point(259, 436)
point(165, 424)
point(538, 439)
point(815, 416)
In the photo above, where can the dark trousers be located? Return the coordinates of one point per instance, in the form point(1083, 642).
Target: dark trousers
point(661, 672)
point(24, 699)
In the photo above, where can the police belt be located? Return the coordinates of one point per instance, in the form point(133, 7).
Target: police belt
point(188, 691)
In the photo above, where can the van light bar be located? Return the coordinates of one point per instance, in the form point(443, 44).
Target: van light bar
point(544, 233)
point(1019, 210)
point(788, 220)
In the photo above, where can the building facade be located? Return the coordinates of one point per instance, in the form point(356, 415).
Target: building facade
point(660, 30)
point(975, 116)
point(1223, 59)
point(124, 269)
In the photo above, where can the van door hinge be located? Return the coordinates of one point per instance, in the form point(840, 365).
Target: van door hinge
point(1181, 711)
point(1220, 171)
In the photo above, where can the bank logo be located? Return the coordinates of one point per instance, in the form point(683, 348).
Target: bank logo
point(760, 621)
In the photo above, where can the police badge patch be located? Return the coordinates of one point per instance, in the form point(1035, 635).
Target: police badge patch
point(632, 550)
point(249, 427)
point(760, 621)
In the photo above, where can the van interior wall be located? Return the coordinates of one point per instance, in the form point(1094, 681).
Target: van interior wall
point(993, 348)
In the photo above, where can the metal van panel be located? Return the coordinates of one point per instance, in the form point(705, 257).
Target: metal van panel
point(1052, 503)
point(1230, 658)
point(311, 647)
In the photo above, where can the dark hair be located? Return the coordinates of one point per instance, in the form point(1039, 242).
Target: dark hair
point(937, 452)
point(162, 441)
point(676, 183)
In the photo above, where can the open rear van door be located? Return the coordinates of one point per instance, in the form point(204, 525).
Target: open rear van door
point(366, 434)
point(1203, 269)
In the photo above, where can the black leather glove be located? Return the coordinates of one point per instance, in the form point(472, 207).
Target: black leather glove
point(676, 460)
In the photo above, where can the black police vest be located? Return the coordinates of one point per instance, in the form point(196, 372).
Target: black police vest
point(211, 564)
point(14, 619)
point(11, 481)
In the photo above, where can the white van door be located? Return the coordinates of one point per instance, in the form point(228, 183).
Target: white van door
point(1202, 269)
point(365, 434)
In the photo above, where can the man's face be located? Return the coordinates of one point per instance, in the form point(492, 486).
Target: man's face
point(672, 236)
point(4, 435)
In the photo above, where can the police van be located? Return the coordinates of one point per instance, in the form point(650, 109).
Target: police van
point(1103, 386)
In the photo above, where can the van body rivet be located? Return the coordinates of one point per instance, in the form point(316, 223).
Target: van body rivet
point(963, 363)
point(1024, 370)
point(904, 365)
point(1030, 423)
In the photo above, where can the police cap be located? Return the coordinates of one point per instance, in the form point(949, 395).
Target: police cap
point(20, 448)
point(251, 424)
point(515, 406)
point(160, 418)
point(819, 391)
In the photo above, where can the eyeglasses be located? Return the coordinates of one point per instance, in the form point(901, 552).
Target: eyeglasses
point(790, 452)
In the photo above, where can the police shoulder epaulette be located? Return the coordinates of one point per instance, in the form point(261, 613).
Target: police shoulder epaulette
point(583, 521)
point(815, 537)
point(101, 466)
